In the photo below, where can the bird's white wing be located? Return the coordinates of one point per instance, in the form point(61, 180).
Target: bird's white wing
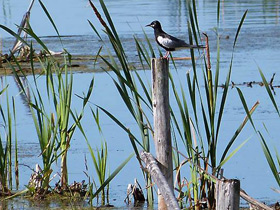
point(172, 42)
point(166, 42)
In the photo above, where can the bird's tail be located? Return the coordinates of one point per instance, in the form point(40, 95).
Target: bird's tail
point(197, 46)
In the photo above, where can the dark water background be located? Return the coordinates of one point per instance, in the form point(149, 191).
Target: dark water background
point(258, 46)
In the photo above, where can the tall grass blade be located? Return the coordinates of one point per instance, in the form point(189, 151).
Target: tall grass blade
point(246, 107)
point(224, 160)
point(239, 27)
point(109, 179)
point(122, 126)
point(4, 89)
point(270, 159)
point(239, 129)
point(218, 12)
point(49, 17)
point(13, 34)
point(269, 92)
point(226, 85)
point(30, 32)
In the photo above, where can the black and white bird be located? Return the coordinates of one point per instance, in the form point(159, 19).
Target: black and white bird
point(168, 42)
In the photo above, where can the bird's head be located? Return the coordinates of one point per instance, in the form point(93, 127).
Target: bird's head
point(154, 24)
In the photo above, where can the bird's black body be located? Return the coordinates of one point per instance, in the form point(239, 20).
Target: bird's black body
point(168, 42)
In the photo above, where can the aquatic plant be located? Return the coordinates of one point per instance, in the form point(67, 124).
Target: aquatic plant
point(60, 92)
point(99, 158)
point(56, 124)
point(54, 128)
point(8, 140)
point(273, 158)
point(198, 124)
point(127, 88)
point(45, 124)
point(201, 130)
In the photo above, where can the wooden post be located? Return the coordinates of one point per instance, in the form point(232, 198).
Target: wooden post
point(227, 194)
point(161, 112)
point(159, 179)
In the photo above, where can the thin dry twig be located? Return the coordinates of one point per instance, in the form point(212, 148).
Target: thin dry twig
point(207, 51)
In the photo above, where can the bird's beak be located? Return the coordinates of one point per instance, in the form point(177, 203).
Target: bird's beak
point(149, 25)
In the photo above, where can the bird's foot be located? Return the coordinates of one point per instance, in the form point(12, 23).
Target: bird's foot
point(166, 55)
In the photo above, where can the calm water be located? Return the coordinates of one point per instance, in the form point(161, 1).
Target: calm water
point(258, 45)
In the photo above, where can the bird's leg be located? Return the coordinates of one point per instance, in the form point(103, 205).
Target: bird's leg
point(166, 54)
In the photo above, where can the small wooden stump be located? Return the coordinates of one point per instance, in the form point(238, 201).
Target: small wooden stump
point(227, 194)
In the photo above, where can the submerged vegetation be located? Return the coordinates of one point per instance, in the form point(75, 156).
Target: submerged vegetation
point(196, 117)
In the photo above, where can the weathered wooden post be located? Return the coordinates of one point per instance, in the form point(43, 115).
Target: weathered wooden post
point(161, 112)
point(227, 194)
point(166, 191)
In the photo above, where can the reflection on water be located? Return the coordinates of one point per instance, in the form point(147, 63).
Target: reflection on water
point(258, 45)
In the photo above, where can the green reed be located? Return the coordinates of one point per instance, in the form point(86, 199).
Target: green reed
point(60, 91)
point(274, 162)
point(45, 123)
point(200, 119)
point(201, 130)
point(273, 158)
point(128, 90)
point(55, 121)
point(198, 125)
point(99, 158)
point(46, 129)
point(8, 143)
point(54, 128)
point(126, 86)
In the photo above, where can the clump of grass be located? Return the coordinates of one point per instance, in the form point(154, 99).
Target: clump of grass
point(202, 115)
point(55, 120)
point(200, 119)
point(99, 158)
point(126, 85)
point(8, 143)
point(45, 123)
point(54, 128)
